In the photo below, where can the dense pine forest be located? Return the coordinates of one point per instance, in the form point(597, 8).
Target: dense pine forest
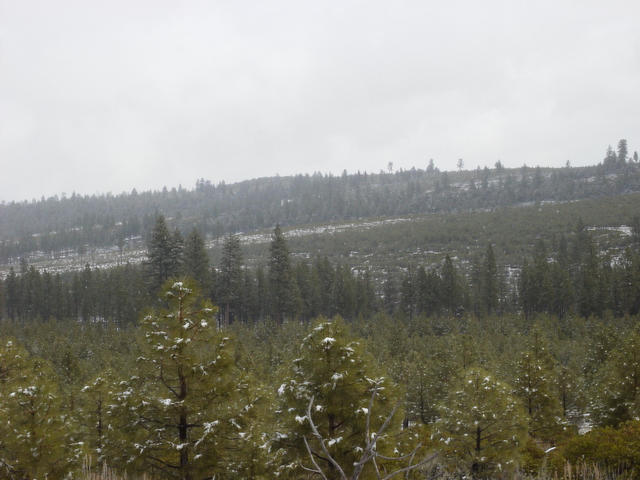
point(54, 225)
point(484, 324)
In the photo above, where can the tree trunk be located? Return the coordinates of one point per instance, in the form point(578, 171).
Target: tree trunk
point(183, 427)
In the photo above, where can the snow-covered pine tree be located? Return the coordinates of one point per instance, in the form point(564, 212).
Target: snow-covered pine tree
point(535, 383)
point(339, 386)
point(179, 413)
point(36, 438)
point(93, 402)
point(482, 425)
point(428, 374)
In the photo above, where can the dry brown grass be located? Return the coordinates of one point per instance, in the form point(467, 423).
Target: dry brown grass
point(581, 471)
point(89, 472)
point(584, 471)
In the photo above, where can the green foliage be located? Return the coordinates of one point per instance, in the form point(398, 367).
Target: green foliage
point(95, 370)
point(572, 270)
point(81, 222)
point(482, 426)
point(283, 289)
point(617, 391)
point(334, 372)
point(164, 251)
point(535, 384)
point(615, 449)
point(195, 262)
point(489, 283)
point(180, 407)
point(36, 437)
point(428, 376)
point(581, 285)
point(450, 289)
point(229, 288)
point(93, 404)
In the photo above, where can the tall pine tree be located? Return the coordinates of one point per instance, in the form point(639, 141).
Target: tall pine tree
point(196, 260)
point(180, 408)
point(283, 289)
point(163, 255)
point(230, 278)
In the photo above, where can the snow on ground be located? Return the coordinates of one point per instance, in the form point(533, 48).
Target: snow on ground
point(623, 229)
point(135, 251)
point(70, 261)
point(265, 237)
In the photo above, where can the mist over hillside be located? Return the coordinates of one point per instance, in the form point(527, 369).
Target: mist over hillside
point(81, 224)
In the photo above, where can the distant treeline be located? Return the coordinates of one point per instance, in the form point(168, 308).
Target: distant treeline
point(576, 279)
point(78, 222)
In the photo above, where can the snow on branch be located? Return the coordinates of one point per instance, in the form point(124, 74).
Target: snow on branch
point(369, 452)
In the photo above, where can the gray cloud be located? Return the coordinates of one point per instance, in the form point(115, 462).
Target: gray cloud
point(107, 96)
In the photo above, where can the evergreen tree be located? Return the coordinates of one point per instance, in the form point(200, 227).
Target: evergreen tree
point(617, 390)
point(262, 293)
point(308, 294)
point(482, 425)
point(35, 435)
point(282, 287)
point(196, 260)
point(635, 230)
point(250, 308)
point(610, 158)
point(162, 255)
point(325, 275)
point(12, 294)
point(230, 278)
point(490, 282)
point(92, 416)
point(390, 293)
point(570, 390)
point(176, 249)
point(560, 298)
point(336, 383)
point(589, 294)
point(563, 253)
point(623, 151)
point(450, 286)
point(429, 374)
point(408, 295)
point(431, 167)
point(535, 282)
point(534, 383)
point(428, 292)
point(365, 295)
point(86, 293)
point(344, 292)
point(180, 409)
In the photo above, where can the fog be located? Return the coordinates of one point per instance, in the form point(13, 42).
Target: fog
point(100, 97)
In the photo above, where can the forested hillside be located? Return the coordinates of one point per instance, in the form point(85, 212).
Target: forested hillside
point(528, 260)
point(80, 223)
point(483, 329)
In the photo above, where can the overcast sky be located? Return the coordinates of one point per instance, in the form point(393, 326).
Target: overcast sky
point(105, 96)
